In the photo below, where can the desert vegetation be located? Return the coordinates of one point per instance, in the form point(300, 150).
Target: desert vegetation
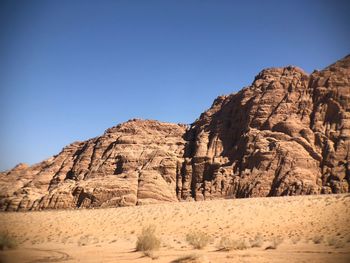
point(147, 241)
point(317, 239)
point(7, 241)
point(228, 244)
point(275, 242)
point(198, 239)
point(258, 241)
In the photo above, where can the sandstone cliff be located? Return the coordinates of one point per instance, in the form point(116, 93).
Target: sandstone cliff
point(286, 134)
point(133, 163)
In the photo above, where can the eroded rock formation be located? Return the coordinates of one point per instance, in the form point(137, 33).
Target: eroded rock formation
point(133, 163)
point(286, 134)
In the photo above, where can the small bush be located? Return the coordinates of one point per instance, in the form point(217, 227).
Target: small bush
point(198, 239)
point(258, 241)
point(241, 244)
point(147, 241)
point(87, 240)
point(331, 241)
point(275, 242)
point(227, 244)
point(295, 239)
point(317, 239)
point(6, 241)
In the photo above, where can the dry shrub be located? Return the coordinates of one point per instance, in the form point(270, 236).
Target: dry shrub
point(198, 239)
point(295, 239)
point(87, 240)
point(147, 241)
point(317, 239)
point(241, 244)
point(227, 244)
point(6, 241)
point(275, 242)
point(258, 241)
point(331, 241)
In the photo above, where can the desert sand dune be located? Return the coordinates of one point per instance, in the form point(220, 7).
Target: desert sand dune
point(309, 229)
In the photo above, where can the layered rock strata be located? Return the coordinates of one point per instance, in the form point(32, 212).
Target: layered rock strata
point(286, 134)
point(133, 163)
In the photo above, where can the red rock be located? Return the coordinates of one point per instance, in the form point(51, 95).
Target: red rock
point(286, 134)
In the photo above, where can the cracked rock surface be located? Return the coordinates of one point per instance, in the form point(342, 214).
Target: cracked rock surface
point(286, 134)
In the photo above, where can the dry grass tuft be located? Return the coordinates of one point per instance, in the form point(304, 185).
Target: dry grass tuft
point(147, 241)
point(275, 242)
point(87, 240)
point(333, 241)
point(317, 239)
point(198, 239)
point(227, 244)
point(258, 241)
point(6, 241)
point(295, 239)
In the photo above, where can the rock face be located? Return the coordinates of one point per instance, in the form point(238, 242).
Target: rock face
point(133, 163)
point(286, 134)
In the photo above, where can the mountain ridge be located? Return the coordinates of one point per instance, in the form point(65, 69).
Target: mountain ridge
point(288, 133)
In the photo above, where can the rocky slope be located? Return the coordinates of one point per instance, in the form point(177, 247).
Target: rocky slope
point(286, 134)
point(133, 163)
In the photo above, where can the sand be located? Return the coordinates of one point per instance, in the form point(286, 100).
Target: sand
point(311, 228)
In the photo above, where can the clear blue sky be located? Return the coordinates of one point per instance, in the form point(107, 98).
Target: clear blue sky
point(71, 69)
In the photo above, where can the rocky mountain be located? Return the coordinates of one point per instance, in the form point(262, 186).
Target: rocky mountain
point(288, 133)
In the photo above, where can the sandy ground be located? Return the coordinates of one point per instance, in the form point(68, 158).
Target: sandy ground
point(313, 229)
